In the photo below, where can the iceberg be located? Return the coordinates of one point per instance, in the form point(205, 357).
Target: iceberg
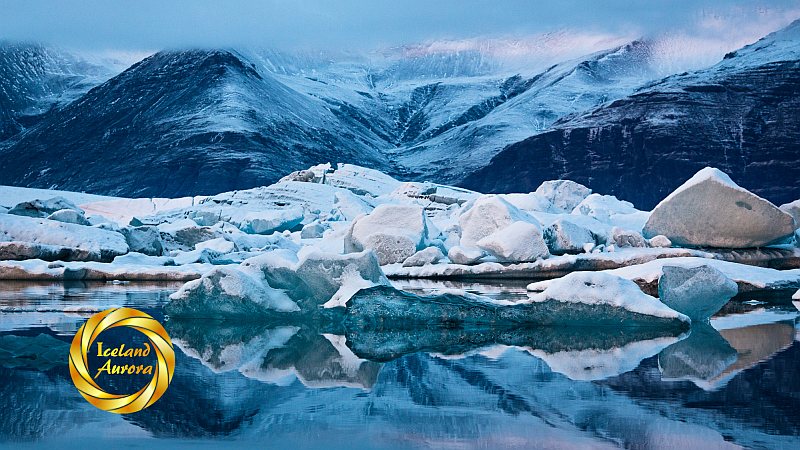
point(37, 237)
point(393, 232)
point(518, 242)
point(276, 283)
point(563, 236)
point(144, 239)
point(563, 194)
point(487, 214)
point(430, 255)
point(229, 292)
point(710, 210)
point(602, 305)
point(699, 292)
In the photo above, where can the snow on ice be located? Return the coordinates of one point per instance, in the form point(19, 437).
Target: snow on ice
point(325, 239)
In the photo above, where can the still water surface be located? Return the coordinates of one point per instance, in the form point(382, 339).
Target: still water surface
point(734, 383)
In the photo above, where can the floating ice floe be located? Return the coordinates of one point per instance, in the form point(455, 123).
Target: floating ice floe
point(710, 210)
point(253, 289)
point(49, 239)
point(136, 269)
point(606, 291)
point(749, 278)
point(353, 290)
point(580, 300)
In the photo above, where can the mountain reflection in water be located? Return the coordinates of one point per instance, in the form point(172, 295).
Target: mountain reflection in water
point(732, 383)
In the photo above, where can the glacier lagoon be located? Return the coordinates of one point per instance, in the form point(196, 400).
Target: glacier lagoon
point(733, 382)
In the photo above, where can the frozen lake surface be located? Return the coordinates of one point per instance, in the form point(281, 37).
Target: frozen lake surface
point(734, 383)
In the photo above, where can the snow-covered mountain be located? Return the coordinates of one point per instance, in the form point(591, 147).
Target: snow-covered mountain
point(196, 122)
point(35, 78)
point(462, 140)
point(741, 115)
point(187, 121)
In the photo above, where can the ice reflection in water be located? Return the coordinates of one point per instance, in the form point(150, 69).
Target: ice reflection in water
point(735, 382)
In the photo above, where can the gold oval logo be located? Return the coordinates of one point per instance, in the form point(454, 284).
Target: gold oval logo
point(162, 371)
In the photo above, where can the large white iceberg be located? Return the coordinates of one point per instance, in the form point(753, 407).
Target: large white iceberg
point(518, 242)
point(393, 232)
point(487, 214)
point(710, 210)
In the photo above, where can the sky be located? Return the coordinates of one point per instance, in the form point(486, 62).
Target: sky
point(703, 27)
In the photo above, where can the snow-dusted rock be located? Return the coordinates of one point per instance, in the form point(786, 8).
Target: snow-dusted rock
point(43, 208)
point(518, 242)
point(229, 292)
point(563, 194)
point(793, 209)
point(220, 245)
point(69, 216)
point(610, 299)
point(144, 239)
point(430, 255)
point(487, 214)
point(465, 255)
point(660, 241)
point(270, 221)
point(627, 238)
point(698, 292)
point(93, 244)
point(393, 232)
point(710, 210)
point(312, 231)
point(563, 236)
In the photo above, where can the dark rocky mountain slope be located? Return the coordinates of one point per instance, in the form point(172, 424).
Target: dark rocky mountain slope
point(741, 116)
